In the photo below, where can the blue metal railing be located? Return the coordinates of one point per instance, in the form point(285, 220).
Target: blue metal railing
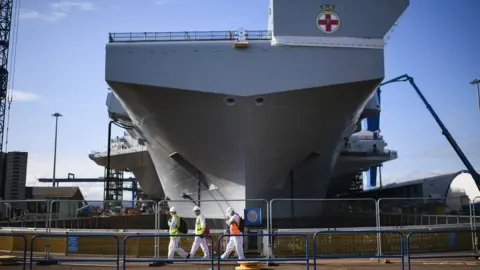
point(434, 256)
point(306, 259)
point(187, 36)
point(116, 259)
point(24, 259)
point(351, 256)
point(402, 254)
point(153, 260)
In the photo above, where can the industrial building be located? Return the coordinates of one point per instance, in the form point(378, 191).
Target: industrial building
point(35, 208)
point(67, 201)
point(13, 188)
point(15, 176)
point(454, 193)
point(13, 181)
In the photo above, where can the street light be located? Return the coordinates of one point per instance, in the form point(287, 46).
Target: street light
point(477, 82)
point(56, 115)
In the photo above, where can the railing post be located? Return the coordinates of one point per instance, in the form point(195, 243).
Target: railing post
point(271, 242)
point(157, 231)
point(379, 227)
point(473, 226)
point(47, 228)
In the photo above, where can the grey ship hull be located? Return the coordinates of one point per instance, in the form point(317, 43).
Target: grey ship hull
point(248, 150)
point(200, 99)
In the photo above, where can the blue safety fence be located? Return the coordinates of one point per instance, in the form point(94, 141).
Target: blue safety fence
point(352, 256)
point(75, 259)
point(153, 260)
point(24, 258)
point(439, 254)
point(306, 259)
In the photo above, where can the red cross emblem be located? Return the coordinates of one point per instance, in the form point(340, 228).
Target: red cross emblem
point(328, 22)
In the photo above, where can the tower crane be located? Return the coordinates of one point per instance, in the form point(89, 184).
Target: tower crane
point(6, 15)
point(6, 10)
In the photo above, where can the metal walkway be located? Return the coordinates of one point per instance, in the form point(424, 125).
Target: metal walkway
point(188, 36)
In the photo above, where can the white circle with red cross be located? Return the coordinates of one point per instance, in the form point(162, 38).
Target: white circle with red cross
point(328, 22)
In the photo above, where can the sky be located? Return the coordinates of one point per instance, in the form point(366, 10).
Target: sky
point(60, 60)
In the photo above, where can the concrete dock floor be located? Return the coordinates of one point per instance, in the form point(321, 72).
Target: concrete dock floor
point(325, 264)
point(336, 264)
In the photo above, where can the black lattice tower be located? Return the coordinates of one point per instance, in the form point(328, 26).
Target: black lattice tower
point(6, 9)
point(113, 189)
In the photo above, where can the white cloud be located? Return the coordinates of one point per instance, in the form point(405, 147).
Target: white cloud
point(59, 10)
point(55, 16)
point(18, 95)
point(68, 5)
point(29, 14)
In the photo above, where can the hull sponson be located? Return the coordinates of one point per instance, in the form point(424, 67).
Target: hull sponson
point(141, 165)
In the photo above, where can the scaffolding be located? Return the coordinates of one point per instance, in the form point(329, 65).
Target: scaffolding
point(113, 190)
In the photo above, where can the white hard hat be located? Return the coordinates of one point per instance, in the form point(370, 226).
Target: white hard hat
point(230, 210)
point(196, 208)
point(172, 209)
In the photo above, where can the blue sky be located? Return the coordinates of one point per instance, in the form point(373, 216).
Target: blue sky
point(60, 67)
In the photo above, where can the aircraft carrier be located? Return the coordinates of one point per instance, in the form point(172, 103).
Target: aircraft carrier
point(253, 114)
point(364, 152)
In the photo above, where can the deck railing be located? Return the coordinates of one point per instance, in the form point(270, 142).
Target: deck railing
point(187, 36)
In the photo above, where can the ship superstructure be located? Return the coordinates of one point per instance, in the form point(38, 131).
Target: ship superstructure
point(253, 114)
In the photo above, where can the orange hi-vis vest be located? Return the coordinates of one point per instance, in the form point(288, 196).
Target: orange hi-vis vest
point(234, 226)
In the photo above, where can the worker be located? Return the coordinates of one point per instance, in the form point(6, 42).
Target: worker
point(173, 246)
point(236, 238)
point(200, 240)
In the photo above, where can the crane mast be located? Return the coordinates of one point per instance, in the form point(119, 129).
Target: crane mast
point(6, 10)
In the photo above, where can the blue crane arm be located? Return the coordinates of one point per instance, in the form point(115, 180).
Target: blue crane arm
point(445, 132)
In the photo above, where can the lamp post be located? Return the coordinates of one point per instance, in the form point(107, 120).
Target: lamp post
point(56, 115)
point(477, 82)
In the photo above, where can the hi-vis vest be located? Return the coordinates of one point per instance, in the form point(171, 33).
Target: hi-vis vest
point(177, 225)
point(234, 226)
point(199, 227)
